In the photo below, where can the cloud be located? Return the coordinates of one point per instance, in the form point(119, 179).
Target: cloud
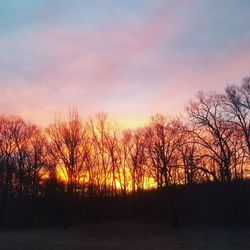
point(187, 76)
point(56, 67)
point(128, 63)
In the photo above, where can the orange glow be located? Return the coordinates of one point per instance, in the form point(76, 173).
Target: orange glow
point(132, 122)
point(149, 182)
point(62, 174)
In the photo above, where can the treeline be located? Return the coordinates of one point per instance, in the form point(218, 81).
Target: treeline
point(95, 158)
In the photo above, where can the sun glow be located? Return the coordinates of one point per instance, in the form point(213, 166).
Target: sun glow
point(148, 182)
point(132, 122)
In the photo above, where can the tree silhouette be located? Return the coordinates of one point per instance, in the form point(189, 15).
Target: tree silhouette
point(97, 169)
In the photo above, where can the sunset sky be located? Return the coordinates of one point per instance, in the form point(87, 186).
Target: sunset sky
point(128, 58)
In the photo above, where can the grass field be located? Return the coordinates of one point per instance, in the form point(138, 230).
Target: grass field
point(125, 236)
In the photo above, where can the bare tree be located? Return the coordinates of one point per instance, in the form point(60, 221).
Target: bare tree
point(136, 161)
point(189, 155)
point(162, 144)
point(214, 133)
point(237, 106)
point(8, 161)
point(65, 147)
point(100, 133)
point(21, 159)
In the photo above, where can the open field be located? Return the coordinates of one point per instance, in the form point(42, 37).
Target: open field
point(125, 236)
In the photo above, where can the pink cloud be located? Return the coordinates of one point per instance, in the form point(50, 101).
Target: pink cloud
point(186, 78)
point(62, 67)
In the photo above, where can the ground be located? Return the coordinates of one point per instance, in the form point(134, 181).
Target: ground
point(125, 236)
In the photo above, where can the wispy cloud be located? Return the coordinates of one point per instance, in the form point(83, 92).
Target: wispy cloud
point(125, 62)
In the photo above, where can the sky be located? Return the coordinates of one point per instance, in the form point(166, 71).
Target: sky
point(131, 58)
